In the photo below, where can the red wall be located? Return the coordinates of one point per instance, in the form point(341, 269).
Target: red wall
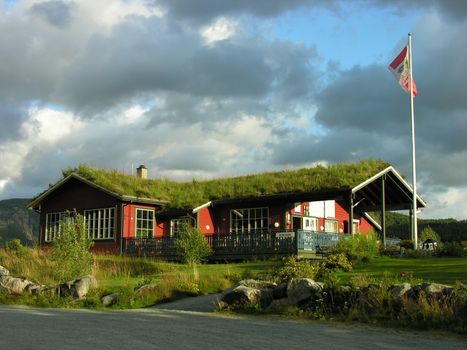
point(130, 219)
point(206, 221)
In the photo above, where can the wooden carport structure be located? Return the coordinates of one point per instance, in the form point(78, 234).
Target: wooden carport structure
point(387, 190)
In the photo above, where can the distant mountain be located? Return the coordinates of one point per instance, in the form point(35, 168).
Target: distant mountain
point(18, 222)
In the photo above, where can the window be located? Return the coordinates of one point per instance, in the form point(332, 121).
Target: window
point(100, 223)
point(310, 224)
point(331, 226)
point(177, 225)
point(144, 225)
point(52, 224)
point(249, 220)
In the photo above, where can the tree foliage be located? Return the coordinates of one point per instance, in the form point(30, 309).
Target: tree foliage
point(70, 251)
point(192, 246)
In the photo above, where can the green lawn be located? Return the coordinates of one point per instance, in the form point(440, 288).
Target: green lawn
point(434, 269)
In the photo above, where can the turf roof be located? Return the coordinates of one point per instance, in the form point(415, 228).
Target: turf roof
point(196, 192)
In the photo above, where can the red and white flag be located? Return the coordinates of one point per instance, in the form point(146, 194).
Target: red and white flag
point(400, 67)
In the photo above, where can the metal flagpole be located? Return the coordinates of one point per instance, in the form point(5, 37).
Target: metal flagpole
point(414, 172)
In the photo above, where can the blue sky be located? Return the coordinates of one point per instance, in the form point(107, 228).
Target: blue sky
point(247, 86)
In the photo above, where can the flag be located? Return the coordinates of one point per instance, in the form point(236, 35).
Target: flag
point(400, 67)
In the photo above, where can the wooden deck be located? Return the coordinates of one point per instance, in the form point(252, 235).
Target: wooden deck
point(230, 246)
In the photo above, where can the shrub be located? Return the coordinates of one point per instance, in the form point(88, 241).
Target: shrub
point(192, 246)
point(452, 249)
point(358, 248)
point(335, 262)
point(406, 243)
point(70, 251)
point(294, 268)
point(15, 246)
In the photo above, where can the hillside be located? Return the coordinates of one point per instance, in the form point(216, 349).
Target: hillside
point(18, 222)
point(397, 225)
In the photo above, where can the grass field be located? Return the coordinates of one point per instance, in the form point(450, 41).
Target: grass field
point(431, 269)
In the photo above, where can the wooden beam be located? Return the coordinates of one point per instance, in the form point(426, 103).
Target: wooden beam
point(383, 209)
point(351, 214)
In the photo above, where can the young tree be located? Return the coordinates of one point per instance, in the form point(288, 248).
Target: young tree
point(427, 233)
point(192, 247)
point(70, 251)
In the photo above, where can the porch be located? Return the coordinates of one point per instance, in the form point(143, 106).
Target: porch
point(231, 246)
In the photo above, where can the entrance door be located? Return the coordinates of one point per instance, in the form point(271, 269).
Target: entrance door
point(296, 223)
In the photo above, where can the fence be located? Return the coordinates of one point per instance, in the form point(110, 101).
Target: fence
point(233, 246)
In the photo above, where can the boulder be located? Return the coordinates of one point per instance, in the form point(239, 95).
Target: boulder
point(267, 296)
point(398, 291)
point(146, 289)
point(13, 285)
point(436, 290)
point(301, 289)
point(109, 300)
point(83, 285)
point(257, 283)
point(278, 305)
point(3, 271)
point(242, 295)
point(280, 291)
point(77, 288)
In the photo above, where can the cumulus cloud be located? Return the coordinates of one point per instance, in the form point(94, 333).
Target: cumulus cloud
point(191, 89)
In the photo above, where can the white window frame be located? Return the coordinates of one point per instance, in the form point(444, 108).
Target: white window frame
point(100, 223)
point(249, 216)
point(149, 230)
point(52, 223)
point(356, 226)
point(334, 226)
point(176, 225)
point(314, 224)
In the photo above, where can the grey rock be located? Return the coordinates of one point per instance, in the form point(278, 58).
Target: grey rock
point(109, 300)
point(242, 295)
point(83, 285)
point(398, 291)
point(257, 283)
point(77, 288)
point(436, 290)
point(146, 289)
point(280, 291)
point(3, 271)
point(278, 305)
point(267, 295)
point(301, 289)
point(13, 285)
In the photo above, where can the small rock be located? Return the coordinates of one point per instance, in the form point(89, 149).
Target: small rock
point(109, 300)
point(257, 283)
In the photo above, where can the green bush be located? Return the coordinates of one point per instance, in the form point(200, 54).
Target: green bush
point(406, 243)
point(192, 246)
point(452, 249)
point(15, 246)
point(333, 262)
point(294, 268)
point(70, 252)
point(358, 248)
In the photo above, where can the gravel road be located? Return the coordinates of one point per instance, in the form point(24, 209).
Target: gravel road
point(34, 328)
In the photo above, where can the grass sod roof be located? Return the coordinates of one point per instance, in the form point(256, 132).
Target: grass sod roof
point(191, 194)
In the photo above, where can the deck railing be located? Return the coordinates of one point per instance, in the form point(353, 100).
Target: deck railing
point(232, 246)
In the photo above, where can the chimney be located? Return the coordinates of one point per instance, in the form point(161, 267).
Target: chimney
point(142, 172)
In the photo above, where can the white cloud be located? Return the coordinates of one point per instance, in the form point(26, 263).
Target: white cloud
point(221, 29)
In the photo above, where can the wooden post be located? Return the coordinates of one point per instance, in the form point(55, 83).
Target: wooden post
point(383, 210)
point(351, 214)
point(411, 223)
